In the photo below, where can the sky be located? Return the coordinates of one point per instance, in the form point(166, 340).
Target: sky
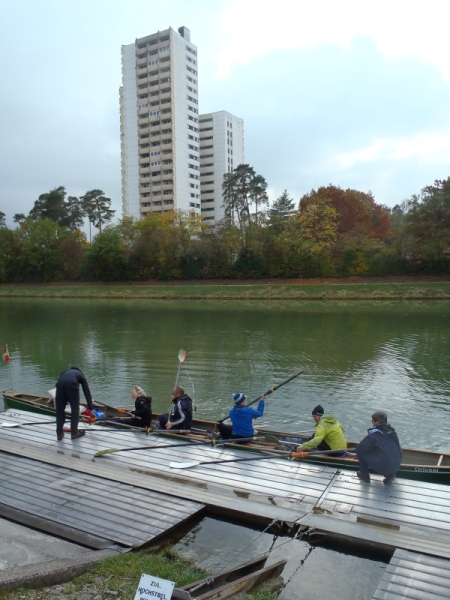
point(356, 94)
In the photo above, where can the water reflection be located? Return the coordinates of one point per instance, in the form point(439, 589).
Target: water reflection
point(392, 357)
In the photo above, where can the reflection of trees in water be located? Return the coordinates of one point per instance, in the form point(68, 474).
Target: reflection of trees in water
point(351, 359)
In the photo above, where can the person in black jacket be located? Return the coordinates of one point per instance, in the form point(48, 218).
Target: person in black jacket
point(379, 450)
point(141, 416)
point(68, 392)
point(181, 411)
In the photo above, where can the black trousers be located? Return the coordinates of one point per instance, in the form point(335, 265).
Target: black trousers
point(226, 431)
point(72, 398)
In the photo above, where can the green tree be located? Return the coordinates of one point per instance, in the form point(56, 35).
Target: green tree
point(97, 207)
point(51, 206)
point(282, 207)
point(240, 189)
point(2, 219)
point(19, 217)
point(75, 214)
point(429, 219)
point(107, 257)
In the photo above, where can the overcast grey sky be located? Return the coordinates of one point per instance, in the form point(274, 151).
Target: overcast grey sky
point(346, 92)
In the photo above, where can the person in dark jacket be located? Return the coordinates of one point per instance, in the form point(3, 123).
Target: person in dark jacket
point(379, 450)
point(141, 416)
point(68, 392)
point(241, 418)
point(181, 411)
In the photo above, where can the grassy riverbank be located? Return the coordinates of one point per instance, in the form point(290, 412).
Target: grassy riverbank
point(421, 290)
point(118, 578)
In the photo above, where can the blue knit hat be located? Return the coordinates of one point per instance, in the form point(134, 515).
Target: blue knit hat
point(239, 398)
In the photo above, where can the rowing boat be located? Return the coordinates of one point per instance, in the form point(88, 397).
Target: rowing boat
point(421, 465)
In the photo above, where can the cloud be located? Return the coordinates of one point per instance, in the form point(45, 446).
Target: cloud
point(427, 147)
point(401, 28)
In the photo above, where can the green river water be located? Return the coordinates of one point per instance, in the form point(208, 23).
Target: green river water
point(356, 358)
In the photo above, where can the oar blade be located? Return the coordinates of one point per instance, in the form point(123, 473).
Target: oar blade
point(10, 425)
point(107, 451)
point(183, 465)
point(181, 355)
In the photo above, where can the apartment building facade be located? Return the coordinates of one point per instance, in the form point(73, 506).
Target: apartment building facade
point(221, 150)
point(159, 124)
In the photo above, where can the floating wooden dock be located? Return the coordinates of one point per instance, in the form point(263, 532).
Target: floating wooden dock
point(84, 508)
point(322, 501)
point(414, 576)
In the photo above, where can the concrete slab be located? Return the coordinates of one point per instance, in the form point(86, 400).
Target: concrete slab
point(20, 546)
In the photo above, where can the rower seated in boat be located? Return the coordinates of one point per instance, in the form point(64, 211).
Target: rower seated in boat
point(180, 416)
point(141, 416)
point(241, 418)
point(329, 433)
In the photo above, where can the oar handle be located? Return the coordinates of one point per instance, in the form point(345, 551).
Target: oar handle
point(304, 454)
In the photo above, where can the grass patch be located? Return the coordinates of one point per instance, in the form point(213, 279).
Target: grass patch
point(119, 574)
point(181, 291)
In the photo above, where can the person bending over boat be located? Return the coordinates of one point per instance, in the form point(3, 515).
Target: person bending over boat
point(141, 416)
point(379, 450)
point(241, 418)
point(68, 392)
point(329, 434)
point(181, 411)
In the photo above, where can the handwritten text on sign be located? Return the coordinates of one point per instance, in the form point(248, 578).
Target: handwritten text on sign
point(154, 588)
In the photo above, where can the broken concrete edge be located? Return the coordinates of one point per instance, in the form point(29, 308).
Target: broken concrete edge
point(53, 572)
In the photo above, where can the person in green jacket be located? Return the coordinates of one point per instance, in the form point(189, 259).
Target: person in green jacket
point(329, 434)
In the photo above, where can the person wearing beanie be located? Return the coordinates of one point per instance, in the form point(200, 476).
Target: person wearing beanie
point(379, 450)
point(329, 434)
point(241, 417)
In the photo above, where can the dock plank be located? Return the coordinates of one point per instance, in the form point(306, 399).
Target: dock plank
point(415, 576)
point(129, 516)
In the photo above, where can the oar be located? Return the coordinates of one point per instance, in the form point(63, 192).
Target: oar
point(270, 391)
point(188, 465)
point(305, 454)
point(272, 438)
point(213, 442)
point(181, 357)
point(6, 424)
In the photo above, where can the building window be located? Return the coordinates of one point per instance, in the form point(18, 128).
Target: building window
point(193, 128)
point(164, 49)
point(192, 147)
point(191, 50)
point(142, 106)
point(153, 62)
point(153, 113)
point(193, 156)
point(191, 99)
point(194, 205)
point(191, 70)
point(192, 137)
point(191, 166)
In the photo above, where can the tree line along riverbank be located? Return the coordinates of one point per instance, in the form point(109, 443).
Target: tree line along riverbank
point(407, 291)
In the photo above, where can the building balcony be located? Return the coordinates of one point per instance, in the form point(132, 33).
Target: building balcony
point(144, 170)
point(143, 111)
point(142, 80)
point(166, 137)
point(143, 121)
point(155, 128)
point(153, 78)
point(143, 130)
point(142, 62)
point(142, 70)
point(167, 187)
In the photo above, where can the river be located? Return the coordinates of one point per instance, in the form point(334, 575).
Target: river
point(356, 359)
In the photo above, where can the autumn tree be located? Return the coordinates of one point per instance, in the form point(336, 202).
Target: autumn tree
point(319, 222)
point(358, 213)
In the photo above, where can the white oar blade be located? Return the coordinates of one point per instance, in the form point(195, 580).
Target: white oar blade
point(10, 425)
point(183, 465)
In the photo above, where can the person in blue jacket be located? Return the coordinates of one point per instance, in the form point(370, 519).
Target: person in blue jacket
point(379, 450)
point(241, 418)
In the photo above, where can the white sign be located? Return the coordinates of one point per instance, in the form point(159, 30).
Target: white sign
point(154, 588)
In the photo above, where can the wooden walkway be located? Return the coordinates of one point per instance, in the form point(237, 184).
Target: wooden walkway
point(85, 508)
point(414, 576)
point(322, 500)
